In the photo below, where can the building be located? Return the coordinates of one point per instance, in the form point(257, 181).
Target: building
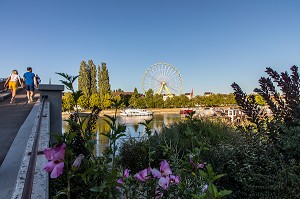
point(207, 94)
point(190, 95)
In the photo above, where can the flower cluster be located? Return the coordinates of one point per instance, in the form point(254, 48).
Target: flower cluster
point(164, 176)
point(121, 180)
point(55, 157)
point(196, 164)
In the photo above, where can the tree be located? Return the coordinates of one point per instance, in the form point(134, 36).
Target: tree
point(93, 73)
point(168, 103)
point(94, 100)
point(149, 98)
point(103, 81)
point(134, 98)
point(83, 102)
point(118, 90)
point(158, 101)
point(68, 102)
point(87, 82)
point(83, 79)
point(184, 101)
point(107, 101)
point(141, 102)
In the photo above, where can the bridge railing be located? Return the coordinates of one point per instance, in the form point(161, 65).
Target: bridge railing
point(2, 81)
point(32, 180)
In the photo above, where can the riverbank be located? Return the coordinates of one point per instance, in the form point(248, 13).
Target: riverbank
point(112, 111)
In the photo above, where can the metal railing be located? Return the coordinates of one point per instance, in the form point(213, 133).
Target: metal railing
point(27, 190)
point(2, 81)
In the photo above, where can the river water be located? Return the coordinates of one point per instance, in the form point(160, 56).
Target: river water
point(133, 128)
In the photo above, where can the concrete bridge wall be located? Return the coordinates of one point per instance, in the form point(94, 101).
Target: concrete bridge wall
point(36, 129)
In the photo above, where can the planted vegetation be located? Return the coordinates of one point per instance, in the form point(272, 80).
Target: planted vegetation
point(195, 158)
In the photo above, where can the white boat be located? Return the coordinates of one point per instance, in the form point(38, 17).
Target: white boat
point(135, 112)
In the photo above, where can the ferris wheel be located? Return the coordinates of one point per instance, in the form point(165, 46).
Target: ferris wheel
point(162, 78)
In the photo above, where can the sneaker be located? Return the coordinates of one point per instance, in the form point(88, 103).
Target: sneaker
point(12, 100)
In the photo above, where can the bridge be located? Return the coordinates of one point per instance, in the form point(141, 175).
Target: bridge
point(24, 133)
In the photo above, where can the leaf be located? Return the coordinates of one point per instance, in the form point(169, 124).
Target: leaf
point(95, 189)
point(224, 192)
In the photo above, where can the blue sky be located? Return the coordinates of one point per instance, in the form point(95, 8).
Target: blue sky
point(212, 43)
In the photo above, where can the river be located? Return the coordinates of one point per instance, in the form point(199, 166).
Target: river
point(133, 128)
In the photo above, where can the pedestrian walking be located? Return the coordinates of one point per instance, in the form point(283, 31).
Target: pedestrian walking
point(38, 80)
point(30, 82)
point(12, 82)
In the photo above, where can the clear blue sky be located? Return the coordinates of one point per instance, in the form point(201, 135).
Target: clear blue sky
point(212, 43)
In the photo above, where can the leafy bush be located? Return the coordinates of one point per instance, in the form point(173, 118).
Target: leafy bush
point(271, 156)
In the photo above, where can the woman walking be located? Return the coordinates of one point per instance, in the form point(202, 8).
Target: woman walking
point(12, 82)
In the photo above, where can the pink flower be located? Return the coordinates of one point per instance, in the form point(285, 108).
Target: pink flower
point(200, 166)
point(55, 156)
point(156, 173)
point(165, 168)
point(126, 173)
point(143, 175)
point(164, 175)
point(120, 181)
point(164, 182)
point(78, 160)
point(174, 179)
point(163, 171)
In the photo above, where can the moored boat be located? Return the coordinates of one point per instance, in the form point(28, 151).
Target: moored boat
point(186, 111)
point(135, 112)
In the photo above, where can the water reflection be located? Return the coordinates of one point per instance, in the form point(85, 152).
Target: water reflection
point(133, 128)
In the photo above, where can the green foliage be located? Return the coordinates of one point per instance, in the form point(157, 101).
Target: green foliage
point(285, 108)
point(92, 74)
point(84, 80)
point(264, 164)
point(149, 98)
point(68, 102)
point(103, 81)
point(68, 82)
point(134, 98)
point(100, 174)
point(83, 102)
point(106, 103)
point(95, 100)
point(158, 101)
point(215, 100)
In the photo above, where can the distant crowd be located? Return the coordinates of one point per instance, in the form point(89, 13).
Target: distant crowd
point(29, 82)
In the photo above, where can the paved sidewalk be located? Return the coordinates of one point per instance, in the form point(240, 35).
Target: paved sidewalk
point(12, 116)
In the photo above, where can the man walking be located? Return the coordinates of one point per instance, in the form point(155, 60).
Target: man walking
point(30, 82)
